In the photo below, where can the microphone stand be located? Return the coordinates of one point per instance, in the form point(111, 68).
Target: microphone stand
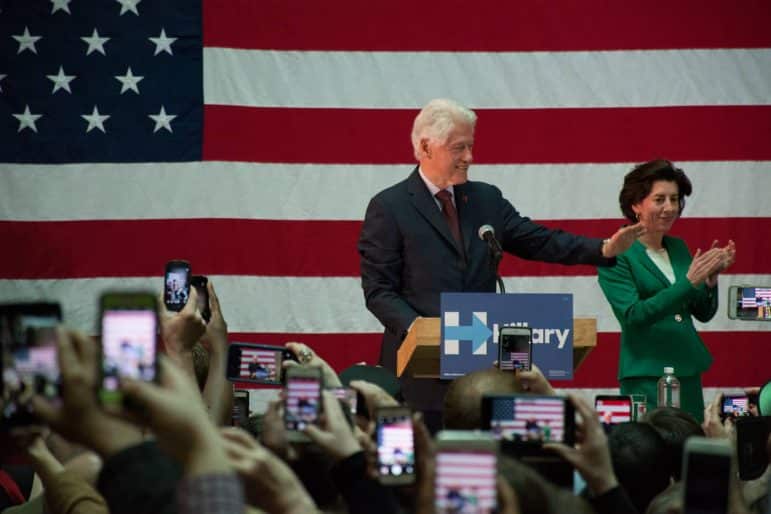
point(495, 260)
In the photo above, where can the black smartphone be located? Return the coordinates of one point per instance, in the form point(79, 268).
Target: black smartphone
point(749, 303)
point(529, 419)
point(257, 363)
point(515, 351)
point(395, 446)
point(302, 400)
point(176, 285)
point(29, 362)
point(240, 415)
point(200, 283)
point(613, 409)
point(751, 436)
point(734, 406)
point(129, 328)
point(466, 472)
point(706, 474)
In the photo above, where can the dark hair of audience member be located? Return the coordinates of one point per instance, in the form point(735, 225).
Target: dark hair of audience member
point(639, 181)
point(463, 400)
point(674, 426)
point(537, 495)
point(637, 452)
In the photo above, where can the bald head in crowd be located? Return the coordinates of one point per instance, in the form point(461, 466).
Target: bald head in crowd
point(463, 401)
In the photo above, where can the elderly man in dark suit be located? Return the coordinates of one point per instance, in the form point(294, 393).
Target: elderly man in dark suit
point(419, 237)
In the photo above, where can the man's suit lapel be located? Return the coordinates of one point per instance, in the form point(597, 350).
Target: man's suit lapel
point(426, 206)
point(642, 257)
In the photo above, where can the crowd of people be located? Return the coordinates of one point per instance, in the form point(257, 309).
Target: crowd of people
point(171, 449)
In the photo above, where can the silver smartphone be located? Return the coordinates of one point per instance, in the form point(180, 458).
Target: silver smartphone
point(749, 303)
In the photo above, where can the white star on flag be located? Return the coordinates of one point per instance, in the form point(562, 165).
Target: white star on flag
point(95, 43)
point(129, 81)
point(1, 79)
point(27, 41)
point(162, 43)
point(27, 119)
point(128, 5)
point(61, 81)
point(63, 5)
point(95, 120)
point(162, 120)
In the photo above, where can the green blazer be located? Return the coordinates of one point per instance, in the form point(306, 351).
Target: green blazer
point(655, 316)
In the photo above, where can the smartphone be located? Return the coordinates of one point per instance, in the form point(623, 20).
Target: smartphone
point(751, 436)
point(199, 282)
point(707, 470)
point(347, 395)
point(395, 446)
point(529, 419)
point(256, 363)
point(515, 351)
point(734, 406)
point(28, 355)
point(466, 472)
point(613, 409)
point(129, 328)
point(240, 415)
point(176, 285)
point(749, 303)
point(302, 400)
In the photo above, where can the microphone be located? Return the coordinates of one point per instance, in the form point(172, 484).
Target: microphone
point(487, 234)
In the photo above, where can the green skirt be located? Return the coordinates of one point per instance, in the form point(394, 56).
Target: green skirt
point(691, 395)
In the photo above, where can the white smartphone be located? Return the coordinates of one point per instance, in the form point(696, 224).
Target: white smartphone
point(395, 446)
point(749, 303)
point(707, 471)
point(466, 472)
point(302, 401)
point(515, 350)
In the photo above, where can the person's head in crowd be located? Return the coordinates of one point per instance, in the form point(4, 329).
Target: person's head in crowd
point(639, 182)
point(637, 452)
point(537, 495)
point(674, 426)
point(442, 140)
point(463, 400)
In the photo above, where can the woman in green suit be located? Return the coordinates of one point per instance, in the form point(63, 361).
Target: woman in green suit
point(656, 288)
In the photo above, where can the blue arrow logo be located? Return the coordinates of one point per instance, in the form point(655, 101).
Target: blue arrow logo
point(477, 333)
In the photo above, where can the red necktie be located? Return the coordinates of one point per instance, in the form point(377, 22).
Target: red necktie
point(451, 215)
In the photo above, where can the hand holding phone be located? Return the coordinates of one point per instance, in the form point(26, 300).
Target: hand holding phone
point(734, 406)
point(466, 472)
point(395, 446)
point(707, 470)
point(515, 348)
point(613, 409)
point(256, 363)
point(529, 419)
point(201, 285)
point(302, 400)
point(176, 285)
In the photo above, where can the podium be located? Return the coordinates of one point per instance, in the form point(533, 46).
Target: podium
point(418, 356)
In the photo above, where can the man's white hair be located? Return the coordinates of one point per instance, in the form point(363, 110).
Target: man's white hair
point(436, 120)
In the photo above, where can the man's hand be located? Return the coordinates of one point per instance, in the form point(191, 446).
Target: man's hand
point(216, 335)
point(334, 435)
point(591, 456)
point(374, 397)
point(307, 357)
point(533, 381)
point(620, 242)
point(181, 330)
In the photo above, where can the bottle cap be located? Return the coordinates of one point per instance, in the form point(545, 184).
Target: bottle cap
point(669, 370)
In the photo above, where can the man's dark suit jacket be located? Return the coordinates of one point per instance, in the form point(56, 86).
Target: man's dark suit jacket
point(409, 257)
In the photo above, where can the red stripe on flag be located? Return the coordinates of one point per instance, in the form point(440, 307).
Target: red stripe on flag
point(503, 135)
point(492, 26)
point(80, 249)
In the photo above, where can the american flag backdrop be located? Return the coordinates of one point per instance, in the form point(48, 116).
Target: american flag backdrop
point(248, 136)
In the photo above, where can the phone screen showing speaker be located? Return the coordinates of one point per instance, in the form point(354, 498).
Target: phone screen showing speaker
point(465, 481)
point(303, 396)
point(707, 483)
point(613, 410)
point(254, 363)
point(176, 285)
point(28, 354)
point(753, 303)
point(128, 346)
point(514, 350)
point(735, 406)
point(529, 419)
point(395, 445)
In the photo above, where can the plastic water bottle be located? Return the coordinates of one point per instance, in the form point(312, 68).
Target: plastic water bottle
point(669, 389)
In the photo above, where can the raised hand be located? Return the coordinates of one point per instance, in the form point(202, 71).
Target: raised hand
point(622, 240)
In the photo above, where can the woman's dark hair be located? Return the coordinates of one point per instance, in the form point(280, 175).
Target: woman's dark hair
point(674, 426)
point(639, 182)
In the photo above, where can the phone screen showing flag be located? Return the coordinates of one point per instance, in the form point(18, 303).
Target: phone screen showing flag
point(302, 402)
point(515, 351)
point(260, 365)
point(613, 410)
point(465, 481)
point(529, 419)
point(395, 447)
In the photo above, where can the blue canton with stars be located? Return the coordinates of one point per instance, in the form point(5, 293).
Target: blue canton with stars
point(100, 81)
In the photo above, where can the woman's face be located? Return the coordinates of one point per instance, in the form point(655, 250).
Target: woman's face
point(659, 210)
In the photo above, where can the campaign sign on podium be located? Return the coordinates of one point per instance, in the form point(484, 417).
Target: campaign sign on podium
point(471, 321)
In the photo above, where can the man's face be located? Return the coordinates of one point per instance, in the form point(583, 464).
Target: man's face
point(447, 163)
